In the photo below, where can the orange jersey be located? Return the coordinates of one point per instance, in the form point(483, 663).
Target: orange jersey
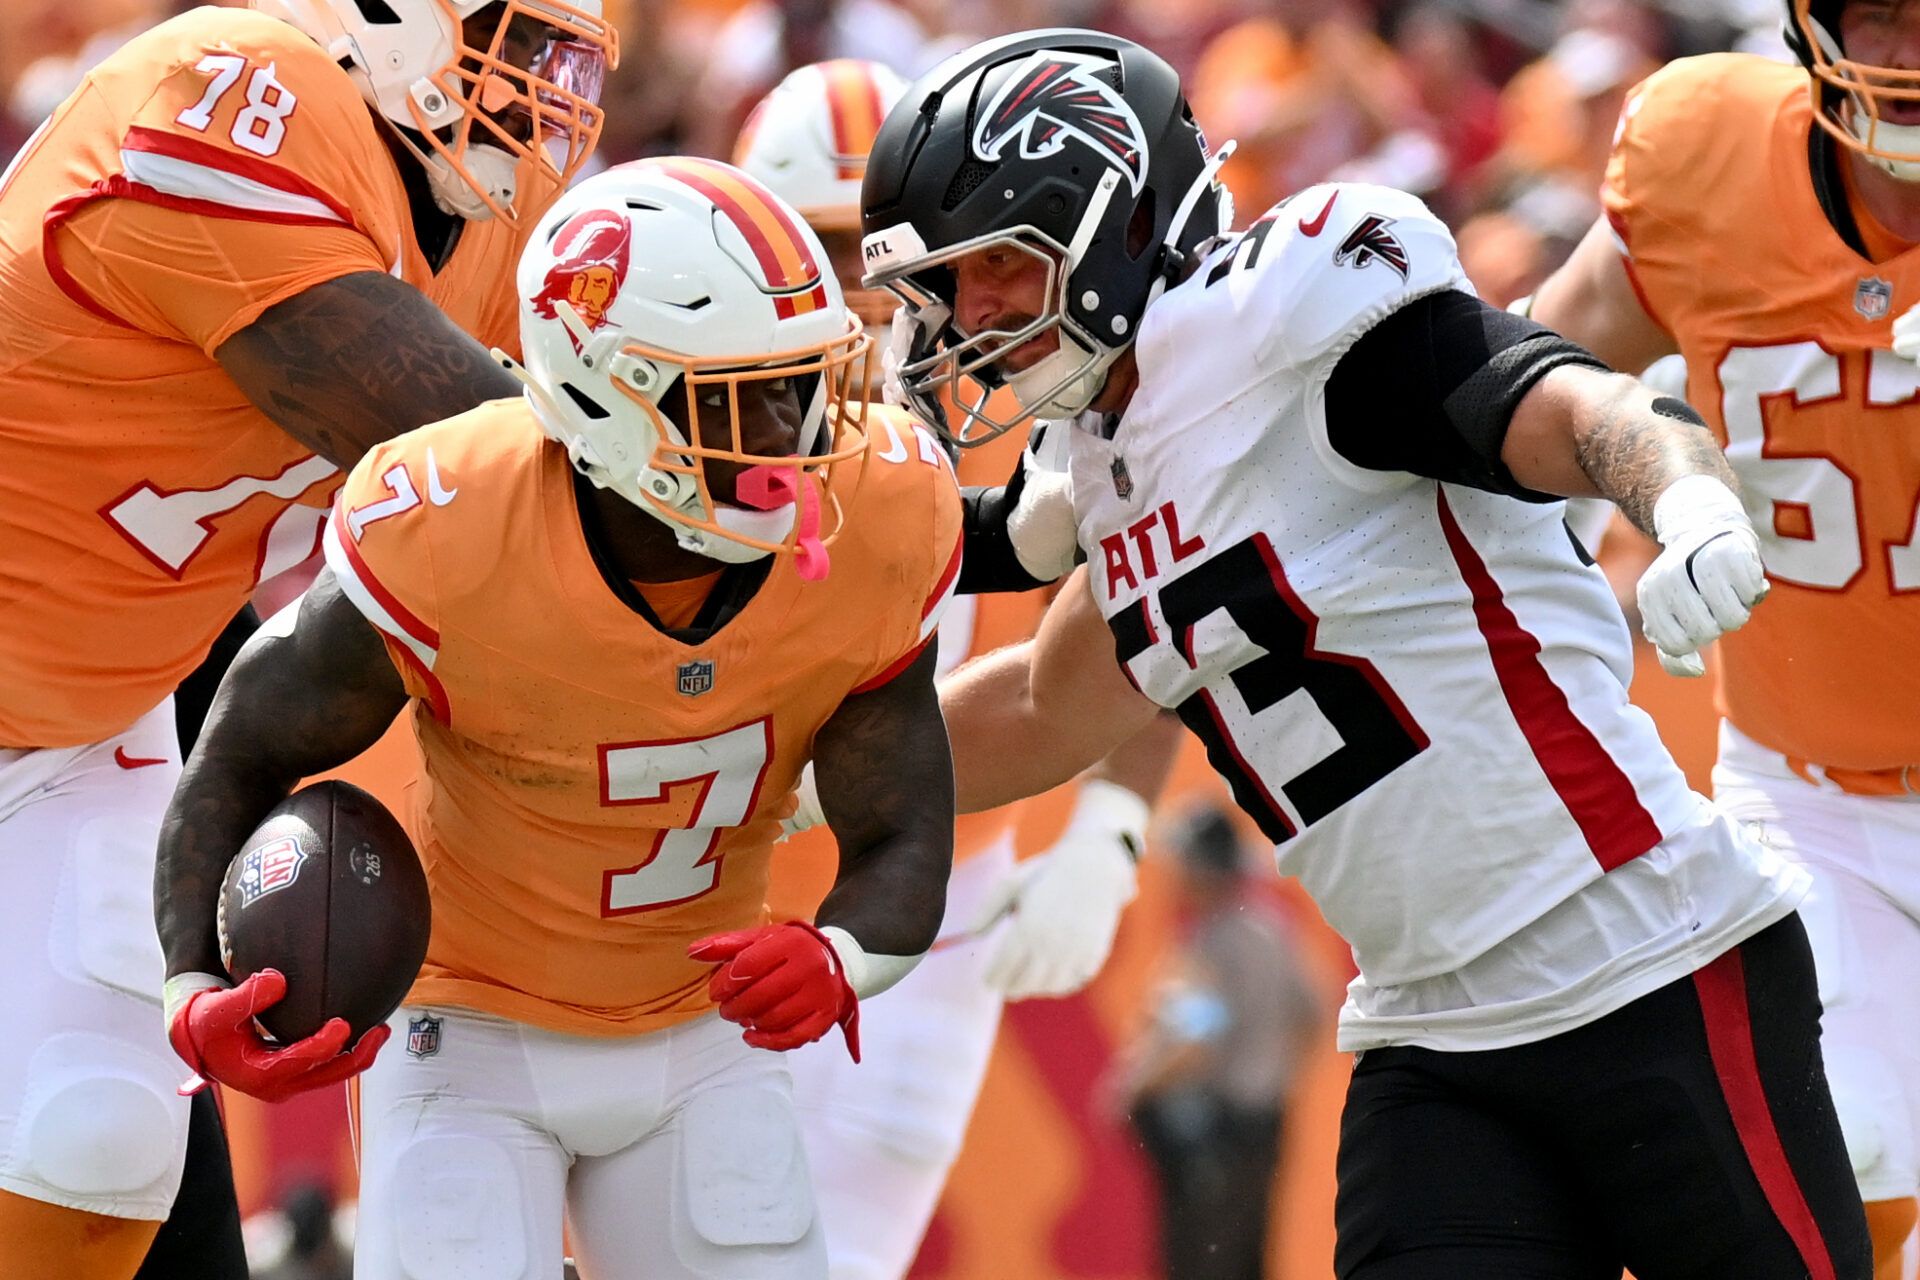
point(214, 166)
point(1786, 333)
point(804, 866)
point(596, 794)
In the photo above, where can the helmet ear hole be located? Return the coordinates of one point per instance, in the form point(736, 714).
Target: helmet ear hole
point(585, 403)
point(1140, 226)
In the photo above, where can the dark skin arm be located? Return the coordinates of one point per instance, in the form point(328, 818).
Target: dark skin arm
point(357, 360)
point(292, 705)
point(886, 786)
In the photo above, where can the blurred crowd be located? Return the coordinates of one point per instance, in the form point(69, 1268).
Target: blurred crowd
point(1498, 112)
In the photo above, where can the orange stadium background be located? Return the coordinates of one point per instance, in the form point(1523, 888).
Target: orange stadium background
point(1048, 1187)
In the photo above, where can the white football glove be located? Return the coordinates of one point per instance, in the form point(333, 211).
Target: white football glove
point(1065, 904)
point(1707, 578)
point(1906, 334)
point(1041, 526)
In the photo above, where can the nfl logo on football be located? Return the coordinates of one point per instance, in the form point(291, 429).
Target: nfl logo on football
point(1873, 298)
point(423, 1036)
point(269, 868)
point(696, 677)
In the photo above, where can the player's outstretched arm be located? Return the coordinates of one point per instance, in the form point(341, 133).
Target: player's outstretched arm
point(1592, 301)
point(1030, 716)
point(1582, 431)
point(359, 359)
point(1065, 903)
point(311, 690)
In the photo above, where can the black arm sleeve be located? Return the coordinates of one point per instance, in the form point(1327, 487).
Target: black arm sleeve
point(988, 563)
point(1431, 389)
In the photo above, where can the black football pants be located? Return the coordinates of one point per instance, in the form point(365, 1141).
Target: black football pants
point(1687, 1136)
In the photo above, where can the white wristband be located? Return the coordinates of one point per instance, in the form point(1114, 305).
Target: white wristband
point(1108, 806)
point(867, 974)
point(807, 813)
point(1692, 503)
point(182, 987)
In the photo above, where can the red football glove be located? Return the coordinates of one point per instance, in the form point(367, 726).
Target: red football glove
point(784, 983)
point(214, 1031)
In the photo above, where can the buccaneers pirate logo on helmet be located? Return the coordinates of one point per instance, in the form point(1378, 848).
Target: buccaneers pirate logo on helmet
point(1056, 96)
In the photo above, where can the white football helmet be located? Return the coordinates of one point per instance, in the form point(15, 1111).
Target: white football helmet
point(685, 277)
point(807, 141)
point(447, 99)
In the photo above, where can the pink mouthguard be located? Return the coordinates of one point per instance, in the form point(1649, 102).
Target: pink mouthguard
point(768, 488)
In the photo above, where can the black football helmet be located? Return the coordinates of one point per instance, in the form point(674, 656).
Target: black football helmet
point(1074, 147)
point(1850, 97)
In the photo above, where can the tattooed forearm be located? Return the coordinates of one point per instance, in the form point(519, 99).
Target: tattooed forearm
point(886, 785)
point(292, 706)
point(1633, 444)
point(357, 360)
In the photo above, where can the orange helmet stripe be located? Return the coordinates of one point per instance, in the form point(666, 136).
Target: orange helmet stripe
point(853, 100)
point(776, 243)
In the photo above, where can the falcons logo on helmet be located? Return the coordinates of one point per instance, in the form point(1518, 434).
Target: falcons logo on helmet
point(1371, 242)
point(1054, 96)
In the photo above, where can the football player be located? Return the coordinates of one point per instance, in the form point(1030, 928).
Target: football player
point(882, 1136)
point(624, 609)
point(249, 246)
point(1314, 479)
point(1780, 283)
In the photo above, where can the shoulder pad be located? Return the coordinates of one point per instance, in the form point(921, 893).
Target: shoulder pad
point(227, 107)
point(1319, 269)
point(1688, 129)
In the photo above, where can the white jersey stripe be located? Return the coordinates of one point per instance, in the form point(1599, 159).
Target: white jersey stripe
point(364, 593)
point(188, 180)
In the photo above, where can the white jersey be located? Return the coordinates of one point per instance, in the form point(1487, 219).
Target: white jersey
point(1417, 689)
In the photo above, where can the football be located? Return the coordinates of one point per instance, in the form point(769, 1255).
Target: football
point(329, 891)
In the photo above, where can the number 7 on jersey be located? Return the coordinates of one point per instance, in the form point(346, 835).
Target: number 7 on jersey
point(709, 784)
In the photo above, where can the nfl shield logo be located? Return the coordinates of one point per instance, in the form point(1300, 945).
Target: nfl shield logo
point(269, 868)
point(1122, 481)
point(1873, 298)
point(696, 677)
point(423, 1036)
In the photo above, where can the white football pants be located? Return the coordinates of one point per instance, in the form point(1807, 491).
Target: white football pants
point(670, 1156)
point(90, 1113)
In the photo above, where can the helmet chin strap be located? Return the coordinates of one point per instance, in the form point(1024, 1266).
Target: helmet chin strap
point(494, 169)
point(1065, 383)
point(1882, 136)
